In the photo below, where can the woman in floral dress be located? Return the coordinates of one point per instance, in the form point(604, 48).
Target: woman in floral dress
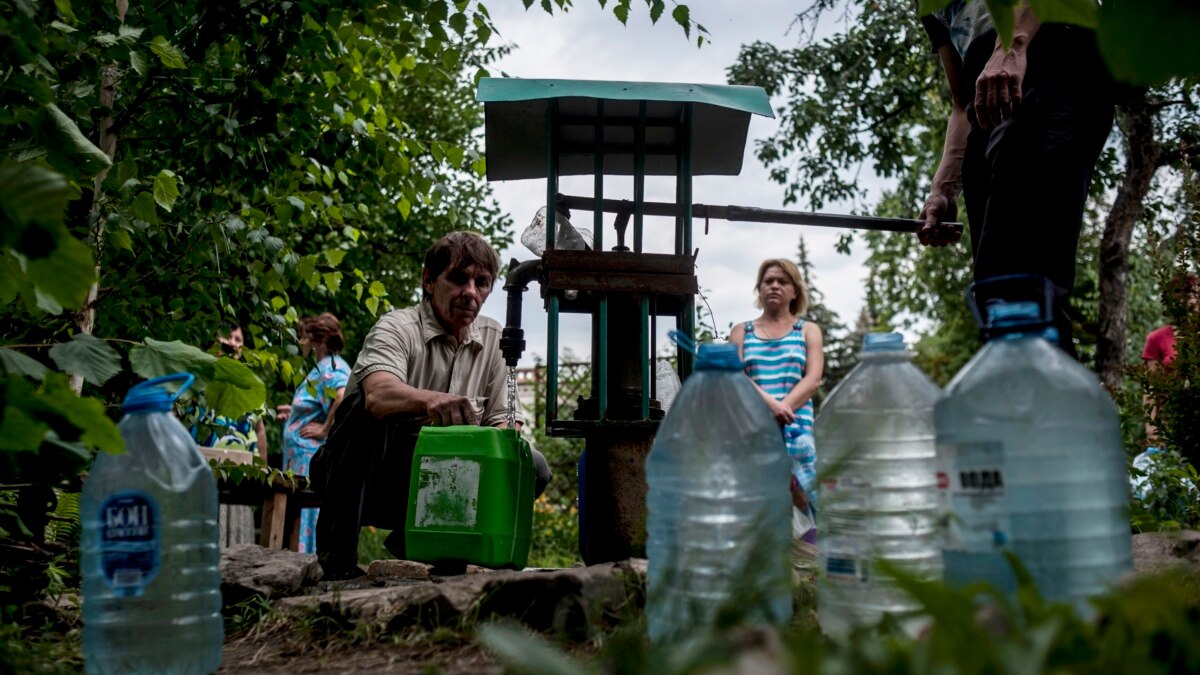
point(310, 415)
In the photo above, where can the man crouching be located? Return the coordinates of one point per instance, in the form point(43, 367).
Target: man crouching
point(437, 363)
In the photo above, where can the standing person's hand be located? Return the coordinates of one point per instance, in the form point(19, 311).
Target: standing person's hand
point(939, 210)
point(782, 414)
point(313, 430)
point(998, 89)
point(282, 412)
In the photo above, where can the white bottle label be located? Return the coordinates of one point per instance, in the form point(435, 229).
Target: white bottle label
point(973, 480)
point(129, 541)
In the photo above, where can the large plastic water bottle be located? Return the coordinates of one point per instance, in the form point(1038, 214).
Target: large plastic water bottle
point(1030, 444)
point(877, 476)
point(718, 510)
point(151, 584)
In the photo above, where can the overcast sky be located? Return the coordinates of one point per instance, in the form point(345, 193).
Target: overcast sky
point(589, 43)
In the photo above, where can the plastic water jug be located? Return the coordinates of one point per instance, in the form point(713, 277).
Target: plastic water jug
point(151, 582)
point(470, 497)
point(877, 477)
point(718, 507)
point(1030, 446)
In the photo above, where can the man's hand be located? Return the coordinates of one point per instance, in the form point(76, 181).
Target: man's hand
point(998, 89)
point(939, 210)
point(450, 409)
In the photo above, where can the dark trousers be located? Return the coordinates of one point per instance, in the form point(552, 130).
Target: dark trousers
point(1026, 180)
point(363, 474)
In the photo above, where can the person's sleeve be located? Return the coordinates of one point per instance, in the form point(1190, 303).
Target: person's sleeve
point(1152, 351)
point(339, 376)
point(938, 32)
point(386, 349)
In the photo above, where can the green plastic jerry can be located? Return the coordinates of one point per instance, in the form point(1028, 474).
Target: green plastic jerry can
point(470, 498)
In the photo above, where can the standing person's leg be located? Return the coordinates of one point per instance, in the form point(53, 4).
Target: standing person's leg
point(1038, 167)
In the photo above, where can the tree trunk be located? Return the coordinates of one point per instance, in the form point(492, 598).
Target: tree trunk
point(110, 74)
point(1141, 161)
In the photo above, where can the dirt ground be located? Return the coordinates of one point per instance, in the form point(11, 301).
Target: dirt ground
point(250, 656)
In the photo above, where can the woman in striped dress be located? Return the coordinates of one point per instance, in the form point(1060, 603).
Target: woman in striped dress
point(784, 358)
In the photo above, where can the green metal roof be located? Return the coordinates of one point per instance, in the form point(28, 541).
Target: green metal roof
point(515, 126)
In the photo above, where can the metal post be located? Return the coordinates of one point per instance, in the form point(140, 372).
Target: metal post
point(645, 348)
point(602, 358)
point(598, 214)
point(551, 228)
point(639, 177)
point(688, 310)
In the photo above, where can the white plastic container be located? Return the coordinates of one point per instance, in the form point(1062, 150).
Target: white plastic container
point(718, 509)
point(1034, 464)
point(877, 476)
point(151, 583)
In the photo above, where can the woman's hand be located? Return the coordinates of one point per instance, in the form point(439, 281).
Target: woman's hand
point(282, 412)
point(782, 414)
point(313, 430)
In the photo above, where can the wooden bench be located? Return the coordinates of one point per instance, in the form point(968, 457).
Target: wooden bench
point(281, 500)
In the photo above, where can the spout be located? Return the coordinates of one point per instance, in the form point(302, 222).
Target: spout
point(512, 338)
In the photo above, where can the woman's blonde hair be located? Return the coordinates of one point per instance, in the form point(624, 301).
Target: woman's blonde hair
point(798, 303)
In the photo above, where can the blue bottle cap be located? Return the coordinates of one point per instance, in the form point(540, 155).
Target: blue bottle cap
point(1002, 314)
point(883, 342)
point(718, 357)
point(151, 396)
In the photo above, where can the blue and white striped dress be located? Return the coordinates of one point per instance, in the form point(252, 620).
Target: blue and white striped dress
point(777, 366)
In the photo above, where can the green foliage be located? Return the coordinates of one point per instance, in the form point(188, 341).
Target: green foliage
point(1128, 29)
point(1170, 499)
point(1147, 626)
point(556, 512)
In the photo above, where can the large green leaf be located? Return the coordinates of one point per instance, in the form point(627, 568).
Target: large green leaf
point(166, 189)
point(233, 389)
point(19, 431)
point(168, 53)
point(30, 194)
point(14, 362)
point(1128, 29)
point(1076, 12)
point(85, 413)
point(67, 274)
point(143, 208)
point(10, 269)
point(155, 358)
point(87, 356)
point(68, 149)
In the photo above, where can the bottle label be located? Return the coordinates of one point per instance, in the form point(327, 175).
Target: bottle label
point(846, 563)
point(972, 480)
point(129, 541)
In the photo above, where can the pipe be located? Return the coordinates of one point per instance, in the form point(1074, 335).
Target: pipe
point(512, 338)
point(754, 215)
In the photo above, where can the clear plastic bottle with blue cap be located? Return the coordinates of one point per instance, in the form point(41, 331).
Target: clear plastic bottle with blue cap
point(718, 508)
point(877, 480)
point(150, 559)
point(1033, 463)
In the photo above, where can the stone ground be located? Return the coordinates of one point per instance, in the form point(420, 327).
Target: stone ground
point(407, 617)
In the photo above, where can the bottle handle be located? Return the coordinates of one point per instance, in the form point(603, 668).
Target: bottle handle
point(682, 340)
point(999, 287)
point(186, 378)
